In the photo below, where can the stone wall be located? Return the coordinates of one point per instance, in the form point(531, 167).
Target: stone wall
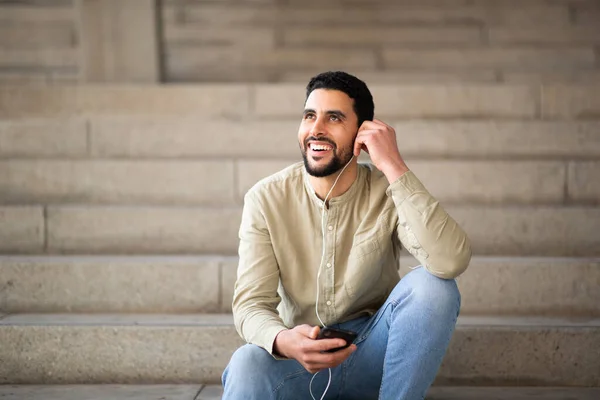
point(404, 41)
point(38, 41)
point(382, 41)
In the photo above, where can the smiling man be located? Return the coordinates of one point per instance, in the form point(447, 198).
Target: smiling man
point(319, 246)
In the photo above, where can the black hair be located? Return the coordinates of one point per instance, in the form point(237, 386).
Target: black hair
point(356, 89)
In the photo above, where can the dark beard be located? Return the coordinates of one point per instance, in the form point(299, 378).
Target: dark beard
point(337, 163)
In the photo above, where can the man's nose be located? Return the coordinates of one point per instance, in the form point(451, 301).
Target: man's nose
point(318, 128)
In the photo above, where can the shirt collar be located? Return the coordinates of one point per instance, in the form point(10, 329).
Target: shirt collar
point(357, 186)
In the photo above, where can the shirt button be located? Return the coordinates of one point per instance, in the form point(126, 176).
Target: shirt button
point(330, 227)
point(328, 302)
point(328, 265)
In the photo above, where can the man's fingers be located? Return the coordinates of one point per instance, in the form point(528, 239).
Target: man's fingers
point(305, 329)
point(317, 346)
point(314, 332)
point(328, 360)
point(358, 144)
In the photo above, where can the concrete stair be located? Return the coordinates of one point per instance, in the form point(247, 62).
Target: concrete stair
point(101, 348)
point(214, 392)
point(120, 205)
point(509, 286)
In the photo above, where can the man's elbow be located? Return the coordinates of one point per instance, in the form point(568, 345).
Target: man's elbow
point(452, 266)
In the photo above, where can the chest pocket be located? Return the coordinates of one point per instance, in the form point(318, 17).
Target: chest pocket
point(365, 264)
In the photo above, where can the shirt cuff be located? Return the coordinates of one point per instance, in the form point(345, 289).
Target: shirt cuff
point(267, 340)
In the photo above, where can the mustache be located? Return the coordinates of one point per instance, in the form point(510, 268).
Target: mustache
point(319, 140)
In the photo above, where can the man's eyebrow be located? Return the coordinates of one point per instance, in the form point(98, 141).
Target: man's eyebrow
point(337, 113)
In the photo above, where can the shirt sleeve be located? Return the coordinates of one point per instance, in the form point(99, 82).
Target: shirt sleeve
point(255, 297)
point(427, 231)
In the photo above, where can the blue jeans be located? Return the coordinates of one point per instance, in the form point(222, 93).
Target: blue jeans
point(399, 351)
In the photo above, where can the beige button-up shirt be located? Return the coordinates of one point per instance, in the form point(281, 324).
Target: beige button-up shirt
point(282, 243)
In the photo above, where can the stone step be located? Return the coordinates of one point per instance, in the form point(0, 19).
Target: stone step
point(224, 182)
point(160, 137)
point(204, 284)
point(84, 229)
point(214, 392)
point(408, 76)
point(286, 100)
point(371, 13)
point(71, 348)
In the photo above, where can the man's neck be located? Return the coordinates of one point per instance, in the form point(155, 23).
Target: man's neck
point(322, 186)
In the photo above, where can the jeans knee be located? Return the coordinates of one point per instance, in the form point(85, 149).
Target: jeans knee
point(427, 289)
point(245, 363)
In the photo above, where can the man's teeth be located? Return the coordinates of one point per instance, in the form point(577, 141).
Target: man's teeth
point(319, 147)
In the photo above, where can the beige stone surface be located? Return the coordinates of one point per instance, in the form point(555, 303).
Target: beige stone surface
point(128, 319)
point(193, 137)
point(191, 64)
point(550, 353)
point(534, 230)
point(514, 393)
point(21, 229)
point(228, 277)
point(116, 100)
point(115, 354)
point(211, 392)
point(535, 35)
point(43, 57)
point(507, 182)
point(34, 35)
point(23, 78)
point(528, 286)
point(571, 101)
point(167, 182)
point(576, 76)
point(587, 14)
point(526, 355)
point(539, 58)
point(380, 36)
point(584, 181)
point(110, 284)
point(201, 35)
point(33, 14)
point(432, 12)
point(97, 392)
point(147, 230)
point(214, 392)
point(118, 41)
point(418, 101)
point(459, 181)
point(43, 138)
point(406, 76)
point(498, 139)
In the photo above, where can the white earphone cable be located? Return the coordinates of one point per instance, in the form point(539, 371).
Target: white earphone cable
point(319, 276)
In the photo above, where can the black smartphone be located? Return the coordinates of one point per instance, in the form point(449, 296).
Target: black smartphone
point(333, 333)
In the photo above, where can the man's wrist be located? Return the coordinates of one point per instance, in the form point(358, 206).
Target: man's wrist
point(394, 171)
point(279, 344)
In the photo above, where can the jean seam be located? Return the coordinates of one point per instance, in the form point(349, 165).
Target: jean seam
point(286, 378)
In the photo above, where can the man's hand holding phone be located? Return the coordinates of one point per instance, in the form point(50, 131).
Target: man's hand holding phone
point(302, 344)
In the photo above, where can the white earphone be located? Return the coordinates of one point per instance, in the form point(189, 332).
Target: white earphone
point(319, 276)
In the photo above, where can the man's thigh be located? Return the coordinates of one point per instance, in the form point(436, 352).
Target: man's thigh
point(254, 374)
point(364, 368)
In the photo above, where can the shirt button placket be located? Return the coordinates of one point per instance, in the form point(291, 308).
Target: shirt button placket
point(330, 272)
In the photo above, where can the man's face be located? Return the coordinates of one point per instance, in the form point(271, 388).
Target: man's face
point(327, 131)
